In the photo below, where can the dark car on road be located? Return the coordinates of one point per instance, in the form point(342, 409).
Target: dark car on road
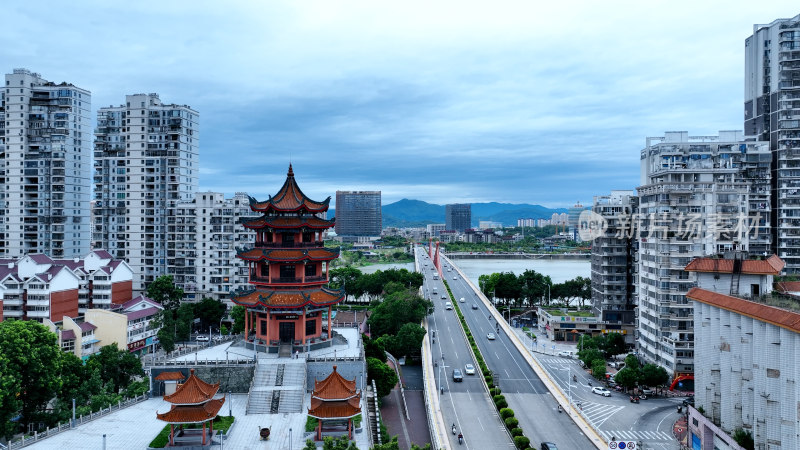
point(457, 375)
point(688, 401)
point(548, 446)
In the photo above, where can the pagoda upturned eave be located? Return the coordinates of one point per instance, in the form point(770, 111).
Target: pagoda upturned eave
point(289, 199)
point(178, 415)
point(289, 223)
point(335, 409)
point(287, 299)
point(294, 255)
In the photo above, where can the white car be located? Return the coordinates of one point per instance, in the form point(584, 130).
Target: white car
point(455, 278)
point(461, 300)
point(202, 338)
point(490, 336)
point(565, 353)
point(469, 369)
point(601, 391)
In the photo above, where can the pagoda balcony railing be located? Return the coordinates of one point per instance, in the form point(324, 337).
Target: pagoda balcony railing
point(313, 244)
point(287, 280)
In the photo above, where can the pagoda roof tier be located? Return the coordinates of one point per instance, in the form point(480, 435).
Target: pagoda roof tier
point(193, 392)
point(314, 254)
point(289, 198)
point(334, 387)
point(289, 222)
point(287, 298)
point(182, 414)
point(170, 376)
point(343, 409)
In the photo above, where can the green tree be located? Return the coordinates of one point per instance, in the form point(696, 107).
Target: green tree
point(373, 348)
point(632, 362)
point(534, 286)
point(384, 376)
point(117, 367)
point(237, 314)
point(409, 340)
point(393, 287)
point(166, 331)
point(210, 312)
point(627, 378)
point(744, 439)
point(614, 345)
point(183, 325)
point(653, 375)
point(310, 445)
point(33, 359)
point(599, 369)
point(391, 445)
point(344, 277)
point(10, 404)
point(164, 291)
point(590, 355)
point(396, 310)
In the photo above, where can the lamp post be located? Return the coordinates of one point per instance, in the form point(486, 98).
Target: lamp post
point(569, 386)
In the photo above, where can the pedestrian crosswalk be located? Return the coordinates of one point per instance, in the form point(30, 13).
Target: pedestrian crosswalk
point(598, 413)
point(645, 436)
point(555, 360)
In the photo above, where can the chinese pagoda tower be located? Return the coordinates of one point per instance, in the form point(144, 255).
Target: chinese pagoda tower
point(288, 269)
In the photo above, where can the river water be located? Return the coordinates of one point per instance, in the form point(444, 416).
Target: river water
point(559, 270)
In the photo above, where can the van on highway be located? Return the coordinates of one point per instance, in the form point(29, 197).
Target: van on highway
point(448, 305)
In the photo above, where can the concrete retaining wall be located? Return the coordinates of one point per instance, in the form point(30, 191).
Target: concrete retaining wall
point(234, 379)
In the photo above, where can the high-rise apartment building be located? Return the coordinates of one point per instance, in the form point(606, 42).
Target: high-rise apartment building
point(772, 114)
point(45, 156)
point(614, 259)
point(146, 162)
point(458, 217)
point(699, 196)
point(203, 237)
point(358, 213)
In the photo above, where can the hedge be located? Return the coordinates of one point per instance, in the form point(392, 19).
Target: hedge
point(522, 442)
point(512, 422)
point(505, 413)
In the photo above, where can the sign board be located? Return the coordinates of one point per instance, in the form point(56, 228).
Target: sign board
point(622, 445)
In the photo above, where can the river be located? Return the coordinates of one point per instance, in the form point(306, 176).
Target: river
point(559, 270)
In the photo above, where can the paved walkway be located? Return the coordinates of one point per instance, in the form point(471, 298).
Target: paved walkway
point(681, 430)
point(414, 430)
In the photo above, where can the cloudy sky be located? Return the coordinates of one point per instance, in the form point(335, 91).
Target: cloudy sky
point(515, 101)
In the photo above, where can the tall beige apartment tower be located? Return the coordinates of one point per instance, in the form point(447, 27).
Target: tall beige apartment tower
point(145, 163)
point(45, 158)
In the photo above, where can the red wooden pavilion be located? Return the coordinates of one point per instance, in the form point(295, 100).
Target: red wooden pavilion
point(193, 402)
point(335, 399)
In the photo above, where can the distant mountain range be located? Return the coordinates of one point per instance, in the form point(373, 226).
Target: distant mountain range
point(416, 213)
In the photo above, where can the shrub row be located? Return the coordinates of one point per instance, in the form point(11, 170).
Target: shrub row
point(520, 441)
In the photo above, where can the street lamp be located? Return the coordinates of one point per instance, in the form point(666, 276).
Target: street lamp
point(569, 385)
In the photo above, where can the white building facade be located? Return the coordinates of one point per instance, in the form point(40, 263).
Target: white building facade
point(45, 158)
point(747, 357)
point(146, 161)
point(699, 196)
point(772, 114)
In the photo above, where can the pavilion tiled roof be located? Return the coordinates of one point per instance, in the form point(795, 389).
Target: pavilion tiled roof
point(193, 392)
point(289, 198)
point(770, 266)
point(170, 376)
point(787, 287)
point(334, 387)
point(192, 414)
point(317, 254)
point(290, 222)
point(779, 317)
point(343, 409)
point(288, 298)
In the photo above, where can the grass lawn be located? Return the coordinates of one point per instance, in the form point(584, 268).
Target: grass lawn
point(221, 423)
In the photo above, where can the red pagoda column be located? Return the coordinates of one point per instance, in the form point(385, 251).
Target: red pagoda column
point(330, 332)
point(303, 329)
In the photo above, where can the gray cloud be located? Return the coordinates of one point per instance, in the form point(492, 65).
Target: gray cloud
point(446, 101)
